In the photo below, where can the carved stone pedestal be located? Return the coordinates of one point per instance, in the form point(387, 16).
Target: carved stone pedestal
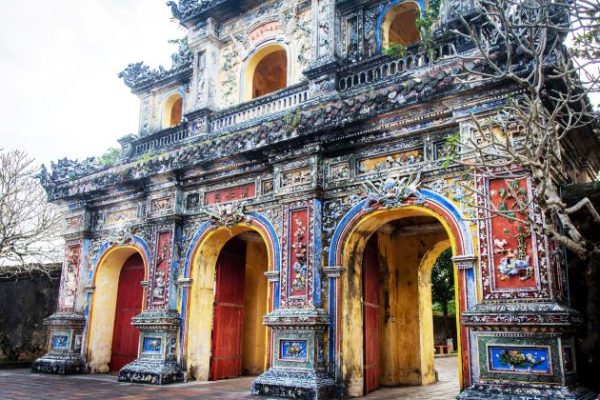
point(490, 391)
point(157, 361)
point(64, 345)
point(298, 370)
point(526, 351)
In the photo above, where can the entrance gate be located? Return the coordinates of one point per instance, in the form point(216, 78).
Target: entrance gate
point(129, 304)
point(226, 360)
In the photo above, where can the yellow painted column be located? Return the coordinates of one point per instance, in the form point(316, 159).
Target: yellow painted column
point(426, 311)
point(254, 355)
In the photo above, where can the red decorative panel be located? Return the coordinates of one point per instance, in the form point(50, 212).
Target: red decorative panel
point(226, 355)
point(241, 192)
point(129, 304)
point(372, 355)
point(160, 283)
point(68, 285)
point(512, 244)
point(298, 253)
point(514, 260)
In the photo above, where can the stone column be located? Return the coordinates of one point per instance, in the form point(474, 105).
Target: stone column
point(204, 45)
point(299, 326)
point(322, 70)
point(523, 329)
point(159, 321)
point(65, 327)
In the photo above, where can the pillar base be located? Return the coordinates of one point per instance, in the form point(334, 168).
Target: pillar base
point(64, 345)
point(490, 391)
point(284, 382)
point(152, 372)
point(59, 364)
point(157, 361)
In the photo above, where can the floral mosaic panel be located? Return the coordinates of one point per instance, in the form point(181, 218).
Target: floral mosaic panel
point(295, 350)
point(151, 344)
point(60, 342)
point(519, 358)
point(535, 360)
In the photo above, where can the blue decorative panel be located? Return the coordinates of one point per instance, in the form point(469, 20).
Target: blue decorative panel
point(172, 346)
point(152, 345)
point(293, 350)
point(60, 342)
point(520, 359)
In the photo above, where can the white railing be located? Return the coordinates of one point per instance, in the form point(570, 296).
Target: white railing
point(270, 104)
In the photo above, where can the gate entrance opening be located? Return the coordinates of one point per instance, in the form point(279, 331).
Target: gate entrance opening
point(239, 340)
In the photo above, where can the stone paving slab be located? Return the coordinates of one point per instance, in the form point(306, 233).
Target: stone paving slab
point(20, 384)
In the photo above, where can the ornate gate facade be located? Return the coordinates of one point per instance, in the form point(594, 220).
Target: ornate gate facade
point(301, 178)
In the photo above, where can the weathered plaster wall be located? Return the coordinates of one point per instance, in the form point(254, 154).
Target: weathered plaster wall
point(255, 307)
point(25, 301)
point(104, 300)
point(406, 320)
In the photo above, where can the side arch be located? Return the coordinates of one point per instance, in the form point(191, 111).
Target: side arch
point(101, 302)
point(208, 241)
point(360, 218)
point(382, 16)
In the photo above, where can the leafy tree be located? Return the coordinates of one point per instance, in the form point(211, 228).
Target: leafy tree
point(442, 281)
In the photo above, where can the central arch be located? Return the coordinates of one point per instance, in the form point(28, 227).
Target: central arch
point(267, 71)
point(347, 248)
point(213, 248)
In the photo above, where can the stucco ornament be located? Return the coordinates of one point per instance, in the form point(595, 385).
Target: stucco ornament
point(228, 215)
point(122, 236)
point(391, 192)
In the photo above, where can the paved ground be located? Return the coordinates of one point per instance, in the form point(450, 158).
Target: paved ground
point(19, 384)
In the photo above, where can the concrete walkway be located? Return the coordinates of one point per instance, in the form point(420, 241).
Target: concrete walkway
point(20, 384)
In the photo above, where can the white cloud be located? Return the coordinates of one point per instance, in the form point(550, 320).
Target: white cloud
point(59, 60)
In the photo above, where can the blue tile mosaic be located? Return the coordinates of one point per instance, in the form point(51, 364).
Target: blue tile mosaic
point(152, 344)
point(293, 350)
point(520, 359)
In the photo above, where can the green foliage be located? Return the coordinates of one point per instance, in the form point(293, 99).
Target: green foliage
point(110, 157)
point(147, 156)
point(394, 50)
point(425, 23)
point(442, 281)
point(451, 148)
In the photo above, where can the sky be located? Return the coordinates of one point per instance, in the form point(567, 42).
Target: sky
point(59, 59)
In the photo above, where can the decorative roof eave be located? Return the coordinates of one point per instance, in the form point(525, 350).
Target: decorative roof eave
point(140, 77)
point(182, 74)
point(332, 114)
point(192, 10)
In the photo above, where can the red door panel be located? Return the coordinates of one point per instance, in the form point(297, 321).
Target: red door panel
point(129, 304)
point(371, 315)
point(226, 359)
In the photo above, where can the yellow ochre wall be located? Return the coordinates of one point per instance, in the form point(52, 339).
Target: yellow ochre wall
point(103, 307)
point(406, 323)
point(255, 307)
point(200, 308)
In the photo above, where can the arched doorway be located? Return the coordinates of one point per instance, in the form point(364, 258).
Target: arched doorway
point(228, 298)
point(398, 25)
point(347, 247)
point(129, 304)
point(118, 296)
point(172, 111)
point(398, 333)
point(266, 72)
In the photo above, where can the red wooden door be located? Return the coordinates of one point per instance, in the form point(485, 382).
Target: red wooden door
point(129, 304)
point(226, 359)
point(370, 274)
